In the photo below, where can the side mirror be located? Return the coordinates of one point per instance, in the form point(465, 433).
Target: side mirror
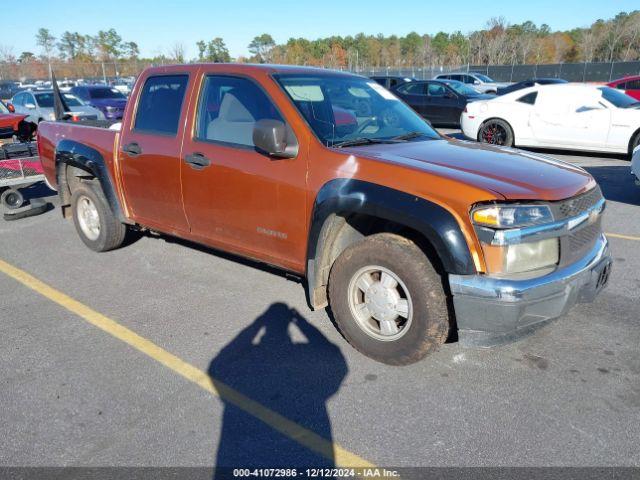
point(30, 106)
point(275, 139)
point(449, 95)
point(11, 108)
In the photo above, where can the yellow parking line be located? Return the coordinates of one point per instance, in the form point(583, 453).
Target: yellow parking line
point(625, 237)
point(303, 436)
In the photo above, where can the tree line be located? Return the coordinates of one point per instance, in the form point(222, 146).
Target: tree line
point(498, 43)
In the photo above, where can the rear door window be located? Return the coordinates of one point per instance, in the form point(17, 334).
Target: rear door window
point(413, 88)
point(529, 98)
point(160, 104)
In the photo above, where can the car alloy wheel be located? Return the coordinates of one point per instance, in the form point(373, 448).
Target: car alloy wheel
point(380, 303)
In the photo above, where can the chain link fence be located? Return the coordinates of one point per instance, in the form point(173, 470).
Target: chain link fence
point(105, 71)
point(573, 72)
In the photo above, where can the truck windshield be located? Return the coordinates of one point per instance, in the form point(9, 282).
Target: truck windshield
point(344, 110)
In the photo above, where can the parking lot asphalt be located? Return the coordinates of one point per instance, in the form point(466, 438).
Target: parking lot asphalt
point(167, 354)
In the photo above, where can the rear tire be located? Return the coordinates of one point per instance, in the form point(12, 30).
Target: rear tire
point(496, 132)
point(95, 223)
point(387, 299)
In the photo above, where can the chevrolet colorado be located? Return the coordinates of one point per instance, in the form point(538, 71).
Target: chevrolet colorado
point(407, 235)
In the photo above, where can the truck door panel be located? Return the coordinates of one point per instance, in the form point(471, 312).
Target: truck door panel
point(150, 154)
point(250, 202)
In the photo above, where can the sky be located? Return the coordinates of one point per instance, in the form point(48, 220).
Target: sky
point(156, 25)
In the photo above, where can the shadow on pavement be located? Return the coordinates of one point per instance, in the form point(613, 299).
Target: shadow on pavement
point(292, 378)
point(617, 183)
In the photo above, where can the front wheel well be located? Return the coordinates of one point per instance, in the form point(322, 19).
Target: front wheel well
point(632, 139)
point(340, 231)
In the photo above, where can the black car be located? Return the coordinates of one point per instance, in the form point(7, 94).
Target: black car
point(439, 101)
point(529, 83)
point(390, 82)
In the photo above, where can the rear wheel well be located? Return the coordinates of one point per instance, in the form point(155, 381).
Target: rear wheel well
point(495, 118)
point(339, 231)
point(69, 177)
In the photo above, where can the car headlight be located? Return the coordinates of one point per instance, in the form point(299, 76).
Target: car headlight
point(111, 109)
point(511, 216)
point(522, 257)
point(52, 116)
point(517, 257)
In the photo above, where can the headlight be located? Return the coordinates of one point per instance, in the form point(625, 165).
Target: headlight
point(517, 257)
point(52, 116)
point(522, 257)
point(111, 109)
point(511, 216)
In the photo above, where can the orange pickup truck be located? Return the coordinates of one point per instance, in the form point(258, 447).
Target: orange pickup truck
point(407, 235)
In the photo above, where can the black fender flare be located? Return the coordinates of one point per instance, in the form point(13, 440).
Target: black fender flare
point(345, 196)
point(76, 154)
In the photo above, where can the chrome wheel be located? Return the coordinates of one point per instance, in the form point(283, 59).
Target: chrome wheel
point(380, 303)
point(88, 218)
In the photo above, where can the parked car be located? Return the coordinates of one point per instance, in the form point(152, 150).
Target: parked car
point(479, 81)
point(14, 124)
point(390, 81)
point(391, 224)
point(630, 86)
point(439, 101)
point(108, 100)
point(8, 89)
point(532, 82)
point(573, 117)
point(38, 105)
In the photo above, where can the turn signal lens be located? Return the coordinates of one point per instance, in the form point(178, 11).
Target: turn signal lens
point(511, 216)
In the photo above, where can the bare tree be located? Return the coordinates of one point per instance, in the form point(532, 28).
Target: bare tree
point(176, 52)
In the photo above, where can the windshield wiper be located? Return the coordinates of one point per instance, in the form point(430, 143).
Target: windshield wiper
point(361, 141)
point(408, 136)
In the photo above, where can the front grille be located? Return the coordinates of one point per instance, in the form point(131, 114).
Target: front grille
point(576, 205)
point(584, 237)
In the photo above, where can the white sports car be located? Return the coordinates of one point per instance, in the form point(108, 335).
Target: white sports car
point(564, 116)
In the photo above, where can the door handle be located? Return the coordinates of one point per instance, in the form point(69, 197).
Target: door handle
point(132, 149)
point(197, 161)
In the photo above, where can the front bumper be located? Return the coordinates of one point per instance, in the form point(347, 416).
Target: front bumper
point(492, 311)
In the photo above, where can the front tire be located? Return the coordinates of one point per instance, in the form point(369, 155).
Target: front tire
point(388, 300)
point(95, 223)
point(496, 132)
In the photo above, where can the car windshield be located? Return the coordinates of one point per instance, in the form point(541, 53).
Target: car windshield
point(344, 110)
point(461, 88)
point(105, 92)
point(45, 100)
point(617, 98)
point(483, 78)
point(3, 109)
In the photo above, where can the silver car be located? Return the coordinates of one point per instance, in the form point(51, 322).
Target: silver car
point(479, 81)
point(38, 105)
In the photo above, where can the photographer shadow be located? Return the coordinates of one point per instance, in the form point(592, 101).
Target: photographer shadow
point(292, 378)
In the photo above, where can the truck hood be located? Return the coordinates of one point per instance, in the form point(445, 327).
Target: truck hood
point(514, 174)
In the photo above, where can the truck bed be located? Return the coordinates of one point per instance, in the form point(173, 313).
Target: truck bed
point(50, 134)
